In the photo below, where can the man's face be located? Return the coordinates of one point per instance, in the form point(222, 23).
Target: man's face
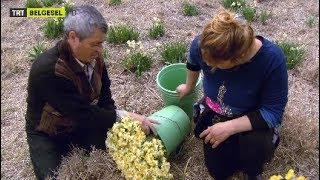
point(89, 48)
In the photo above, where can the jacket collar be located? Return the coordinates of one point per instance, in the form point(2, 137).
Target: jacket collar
point(65, 54)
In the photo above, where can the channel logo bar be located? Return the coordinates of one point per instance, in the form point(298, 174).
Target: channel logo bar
point(38, 12)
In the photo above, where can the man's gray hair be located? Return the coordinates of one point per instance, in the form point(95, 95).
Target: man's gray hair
point(83, 20)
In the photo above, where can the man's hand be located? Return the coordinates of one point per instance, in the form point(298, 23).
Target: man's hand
point(147, 124)
point(217, 133)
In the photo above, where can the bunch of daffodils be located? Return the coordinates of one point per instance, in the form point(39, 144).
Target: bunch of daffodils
point(289, 176)
point(136, 155)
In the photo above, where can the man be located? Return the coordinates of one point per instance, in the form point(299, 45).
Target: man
point(69, 98)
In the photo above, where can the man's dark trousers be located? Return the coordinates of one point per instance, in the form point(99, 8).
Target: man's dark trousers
point(46, 152)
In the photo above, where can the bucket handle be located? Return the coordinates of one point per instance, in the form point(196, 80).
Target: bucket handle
point(170, 120)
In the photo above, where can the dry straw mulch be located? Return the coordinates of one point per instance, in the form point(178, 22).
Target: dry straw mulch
point(298, 148)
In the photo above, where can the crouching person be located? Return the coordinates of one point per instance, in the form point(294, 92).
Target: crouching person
point(69, 100)
point(245, 86)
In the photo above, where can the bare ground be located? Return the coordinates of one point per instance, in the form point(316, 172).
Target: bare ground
point(298, 149)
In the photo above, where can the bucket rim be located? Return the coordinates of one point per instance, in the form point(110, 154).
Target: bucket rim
point(179, 131)
point(169, 91)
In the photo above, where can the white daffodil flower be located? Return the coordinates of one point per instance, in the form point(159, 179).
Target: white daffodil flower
point(156, 19)
point(131, 44)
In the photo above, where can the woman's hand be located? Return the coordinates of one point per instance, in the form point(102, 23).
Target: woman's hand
point(147, 124)
point(217, 133)
point(183, 90)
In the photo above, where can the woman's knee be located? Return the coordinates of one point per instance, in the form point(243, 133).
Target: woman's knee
point(256, 144)
point(219, 162)
point(255, 149)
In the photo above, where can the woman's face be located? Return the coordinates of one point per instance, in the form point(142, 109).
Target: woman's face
point(221, 63)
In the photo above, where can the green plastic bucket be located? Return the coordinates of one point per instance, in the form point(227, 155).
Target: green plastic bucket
point(174, 126)
point(168, 79)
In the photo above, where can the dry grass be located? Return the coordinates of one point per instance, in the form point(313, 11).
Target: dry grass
point(96, 165)
point(298, 149)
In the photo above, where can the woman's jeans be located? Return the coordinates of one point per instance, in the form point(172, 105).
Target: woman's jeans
point(246, 151)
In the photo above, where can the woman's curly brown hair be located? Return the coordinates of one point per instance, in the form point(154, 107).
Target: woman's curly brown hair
point(226, 37)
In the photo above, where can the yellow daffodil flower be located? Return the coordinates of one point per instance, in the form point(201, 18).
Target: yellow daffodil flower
point(290, 174)
point(137, 156)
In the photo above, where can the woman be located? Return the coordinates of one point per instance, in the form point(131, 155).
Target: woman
point(245, 85)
